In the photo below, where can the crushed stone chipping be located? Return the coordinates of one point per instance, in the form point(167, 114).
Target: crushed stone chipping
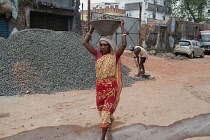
point(40, 61)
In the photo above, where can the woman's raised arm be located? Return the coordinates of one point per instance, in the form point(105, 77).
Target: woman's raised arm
point(124, 42)
point(87, 39)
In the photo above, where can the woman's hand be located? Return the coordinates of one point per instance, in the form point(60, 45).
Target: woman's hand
point(122, 23)
point(91, 29)
point(87, 39)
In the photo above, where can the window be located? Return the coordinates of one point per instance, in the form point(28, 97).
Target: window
point(168, 10)
point(184, 43)
point(160, 9)
point(132, 6)
point(198, 44)
point(150, 7)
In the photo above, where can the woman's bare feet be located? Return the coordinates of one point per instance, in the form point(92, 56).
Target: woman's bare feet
point(104, 130)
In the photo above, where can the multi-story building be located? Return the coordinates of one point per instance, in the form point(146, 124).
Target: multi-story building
point(150, 9)
point(207, 13)
point(43, 14)
point(104, 5)
point(96, 4)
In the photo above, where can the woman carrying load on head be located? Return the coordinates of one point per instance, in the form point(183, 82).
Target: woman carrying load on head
point(108, 76)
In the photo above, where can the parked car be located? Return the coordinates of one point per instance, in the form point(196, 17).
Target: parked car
point(190, 48)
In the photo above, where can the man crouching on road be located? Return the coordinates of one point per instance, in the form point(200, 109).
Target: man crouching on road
point(142, 53)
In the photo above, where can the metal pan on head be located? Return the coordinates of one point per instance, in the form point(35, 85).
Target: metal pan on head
point(106, 25)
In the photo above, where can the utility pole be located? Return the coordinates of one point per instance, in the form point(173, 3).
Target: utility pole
point(88, 15)
point(154, 10)
point(139, 40)
point(82, 21)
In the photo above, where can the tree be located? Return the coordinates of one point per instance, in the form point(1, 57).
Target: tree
point(192, 10)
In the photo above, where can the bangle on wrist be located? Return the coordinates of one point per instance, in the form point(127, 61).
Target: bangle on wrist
point(123, 34)
point(88, 34)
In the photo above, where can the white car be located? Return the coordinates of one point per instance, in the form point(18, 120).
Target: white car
point(191, 48)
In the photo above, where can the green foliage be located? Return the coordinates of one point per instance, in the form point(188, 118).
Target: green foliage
point(192, 10)
point(7, 15)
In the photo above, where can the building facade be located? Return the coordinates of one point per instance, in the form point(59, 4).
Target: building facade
point(150, 9)
point(43, 14)
point(207, 13)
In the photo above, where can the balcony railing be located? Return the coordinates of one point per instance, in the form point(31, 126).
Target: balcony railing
point(150, 7)
point(160, 9)
point(133, 6)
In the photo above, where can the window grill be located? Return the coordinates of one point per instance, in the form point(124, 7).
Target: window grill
point(132, 6)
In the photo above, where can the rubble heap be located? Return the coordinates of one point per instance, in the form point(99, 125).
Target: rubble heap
point(39, 61)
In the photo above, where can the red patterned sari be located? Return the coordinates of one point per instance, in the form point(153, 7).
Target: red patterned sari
point(108, 86)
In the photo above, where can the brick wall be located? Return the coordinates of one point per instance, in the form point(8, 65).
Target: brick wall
point(150, 26)
point(21, 20)
point(106, 10)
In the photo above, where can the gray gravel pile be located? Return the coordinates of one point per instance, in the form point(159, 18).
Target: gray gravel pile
point(1, 39)
point(7, 86)
point(44, 61)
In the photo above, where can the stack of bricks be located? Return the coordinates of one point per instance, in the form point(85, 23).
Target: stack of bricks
point(150, 26)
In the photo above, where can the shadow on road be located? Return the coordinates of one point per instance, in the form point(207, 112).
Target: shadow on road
point(197, 126)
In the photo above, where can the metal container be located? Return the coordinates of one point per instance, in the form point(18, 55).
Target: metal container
point(106, 25)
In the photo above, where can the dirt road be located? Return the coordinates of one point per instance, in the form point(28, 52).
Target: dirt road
point(173, 104)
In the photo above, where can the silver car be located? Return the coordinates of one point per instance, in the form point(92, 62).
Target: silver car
point(191, 48)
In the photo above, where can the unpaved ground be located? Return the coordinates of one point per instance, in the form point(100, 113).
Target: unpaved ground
point(174, 101)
